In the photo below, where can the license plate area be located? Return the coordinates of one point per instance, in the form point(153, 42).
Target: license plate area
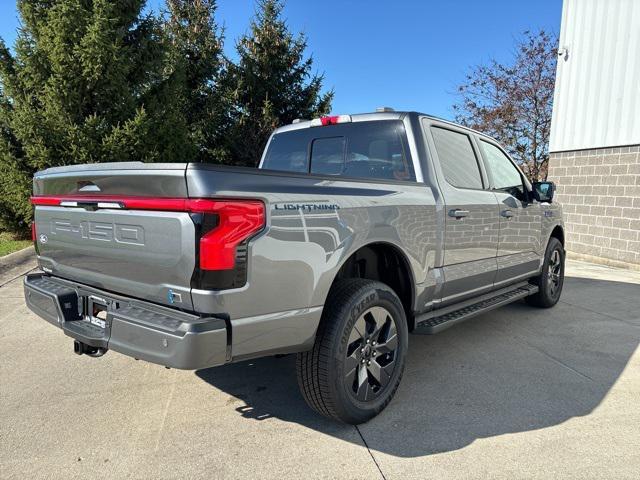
point(96, 311)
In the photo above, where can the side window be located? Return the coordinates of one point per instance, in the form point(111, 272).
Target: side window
point(457, 158)
point(327, 155)
point(504, 174)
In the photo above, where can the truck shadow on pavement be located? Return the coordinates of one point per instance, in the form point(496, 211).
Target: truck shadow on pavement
point(513, 370)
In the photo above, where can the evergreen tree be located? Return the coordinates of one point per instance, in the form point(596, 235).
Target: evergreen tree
point(196, 44)
point(271, 85)
point(87, 83)
point(99, 81)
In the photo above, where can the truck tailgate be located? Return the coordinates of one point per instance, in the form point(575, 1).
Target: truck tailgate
point(83, 234)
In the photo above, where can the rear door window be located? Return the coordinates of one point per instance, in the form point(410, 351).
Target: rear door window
point(370, 150)
point(457, 158)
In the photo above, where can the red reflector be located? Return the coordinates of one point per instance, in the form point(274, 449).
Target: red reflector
point(332, 120)
point(33, 232)
point(237, 221)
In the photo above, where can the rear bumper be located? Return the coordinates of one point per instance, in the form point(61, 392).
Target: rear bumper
point(133, 327)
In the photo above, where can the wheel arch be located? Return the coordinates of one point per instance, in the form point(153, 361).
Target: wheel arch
point(558, 232)
point(384, 262)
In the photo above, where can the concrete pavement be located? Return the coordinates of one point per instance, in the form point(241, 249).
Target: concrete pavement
point(516, 393)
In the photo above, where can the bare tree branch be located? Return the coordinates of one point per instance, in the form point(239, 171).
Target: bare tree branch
point(512, 102)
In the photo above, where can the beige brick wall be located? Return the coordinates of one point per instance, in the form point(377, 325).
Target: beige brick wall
point(600, 194)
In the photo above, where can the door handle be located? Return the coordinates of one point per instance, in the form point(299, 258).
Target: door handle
point(457, 213)
point(506, 213)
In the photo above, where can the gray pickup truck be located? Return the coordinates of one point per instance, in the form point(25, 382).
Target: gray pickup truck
point(355, 231)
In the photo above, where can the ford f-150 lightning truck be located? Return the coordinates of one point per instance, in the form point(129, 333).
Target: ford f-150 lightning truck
point(354, 231)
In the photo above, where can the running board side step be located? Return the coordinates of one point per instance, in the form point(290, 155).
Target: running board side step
point(441, 319)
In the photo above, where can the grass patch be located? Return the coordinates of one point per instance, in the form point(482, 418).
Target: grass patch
point(9, 244)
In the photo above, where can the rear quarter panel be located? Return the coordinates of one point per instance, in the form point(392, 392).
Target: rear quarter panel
point(313, 225)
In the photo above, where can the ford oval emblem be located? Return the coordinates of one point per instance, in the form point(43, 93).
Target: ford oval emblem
point(43, 238)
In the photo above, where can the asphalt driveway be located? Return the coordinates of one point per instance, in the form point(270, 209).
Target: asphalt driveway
point(516, 393)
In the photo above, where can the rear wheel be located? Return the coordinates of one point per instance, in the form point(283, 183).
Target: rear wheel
point(356, 364)
point(551, 279)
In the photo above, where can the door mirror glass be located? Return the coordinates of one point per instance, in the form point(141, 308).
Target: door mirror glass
point(543, 191)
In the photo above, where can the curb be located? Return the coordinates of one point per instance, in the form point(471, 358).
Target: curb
point(583, 257)
point(16, 258)
point(16, 264)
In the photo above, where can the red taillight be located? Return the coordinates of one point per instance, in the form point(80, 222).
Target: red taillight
point(237, 220)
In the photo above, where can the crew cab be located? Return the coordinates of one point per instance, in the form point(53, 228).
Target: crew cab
point(354, 231)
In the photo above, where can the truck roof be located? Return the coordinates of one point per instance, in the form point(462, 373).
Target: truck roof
point(388, 115)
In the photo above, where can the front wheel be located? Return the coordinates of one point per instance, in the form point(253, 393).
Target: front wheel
point(357, 361)
point(551, 279)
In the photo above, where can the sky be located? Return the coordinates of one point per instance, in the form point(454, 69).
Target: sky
point(404, 54)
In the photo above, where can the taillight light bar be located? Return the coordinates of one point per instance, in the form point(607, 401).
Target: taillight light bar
point(167, 204)
point(237, 220)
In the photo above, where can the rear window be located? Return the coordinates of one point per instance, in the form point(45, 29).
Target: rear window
point(374, 150)
point(327, 155)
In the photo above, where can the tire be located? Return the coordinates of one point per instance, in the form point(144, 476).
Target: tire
point(357, 361)
point(551, 279)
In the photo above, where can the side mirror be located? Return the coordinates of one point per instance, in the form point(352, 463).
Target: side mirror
point(543, 191)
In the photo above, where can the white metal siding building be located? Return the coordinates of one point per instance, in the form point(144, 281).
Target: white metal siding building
point(597, 93)
point(595, 130)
